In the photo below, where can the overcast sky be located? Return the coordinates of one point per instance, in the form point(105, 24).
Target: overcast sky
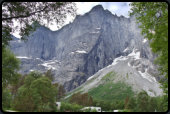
point(118, 8)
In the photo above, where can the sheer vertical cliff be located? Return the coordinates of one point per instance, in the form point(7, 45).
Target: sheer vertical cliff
point(80, 49)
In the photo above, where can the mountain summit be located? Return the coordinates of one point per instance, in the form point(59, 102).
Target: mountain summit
point(92, 42)
point(97, 8)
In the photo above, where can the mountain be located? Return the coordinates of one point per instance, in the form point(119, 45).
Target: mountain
point(95, 41)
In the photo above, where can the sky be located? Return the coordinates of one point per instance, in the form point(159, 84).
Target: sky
point(118, 8)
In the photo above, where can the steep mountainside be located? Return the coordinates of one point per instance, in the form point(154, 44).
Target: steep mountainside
point(127, 70)
point(80, 49)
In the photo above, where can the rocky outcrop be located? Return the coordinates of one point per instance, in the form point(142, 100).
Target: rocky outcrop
point(91, 42)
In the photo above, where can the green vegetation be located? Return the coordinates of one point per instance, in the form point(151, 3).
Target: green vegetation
point(32, 92)
point(74, 91)
point(144, 103)
point(6, 99)
point(109, 76)
point(61, 92)
point(36, 94)
point(127, 76)
point(10, 76)
point(153, 19)
point(110, 95)
point(10, 67)
point(119, 96)
point(89, 110)
point(81, 99)
point(70, 107)
point(110, 91)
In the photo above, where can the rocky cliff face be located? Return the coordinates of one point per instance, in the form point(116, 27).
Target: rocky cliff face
point(80, 49)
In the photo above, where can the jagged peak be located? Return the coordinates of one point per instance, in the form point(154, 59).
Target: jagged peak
point(97, 7)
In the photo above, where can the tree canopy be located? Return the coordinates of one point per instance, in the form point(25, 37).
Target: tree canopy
point(36, 94)
point(25, 13)
point(153, 19)
point(82, 99)
point(10, 67)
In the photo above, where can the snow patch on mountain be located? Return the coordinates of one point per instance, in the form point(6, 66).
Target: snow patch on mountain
point(49, 64)
point(125, 49)
point(121, 58)
point(90, 77)
point(98, 28)
point(147, 76)
point(129, 64)
point(134, 54)
point(95, 32)
point(23, 57)
point(81, 51)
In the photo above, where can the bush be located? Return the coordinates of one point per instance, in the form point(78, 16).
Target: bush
point(6, 99)
point(144, 103)
point(93, 110)
point(82, 99)
point(86, 110)
point(67, 107)
point(89, 110)
point(125, 110)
